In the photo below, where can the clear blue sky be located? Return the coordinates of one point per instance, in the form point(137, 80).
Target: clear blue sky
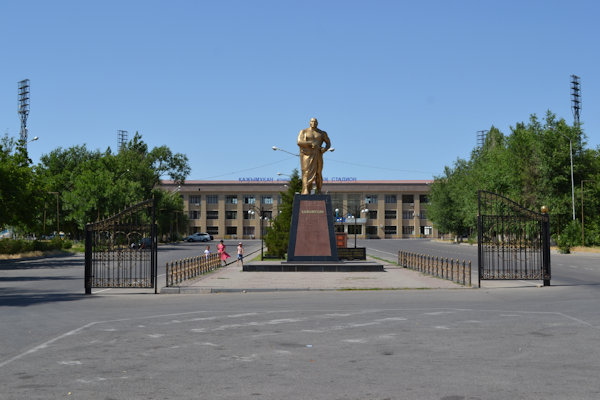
point(401, 87)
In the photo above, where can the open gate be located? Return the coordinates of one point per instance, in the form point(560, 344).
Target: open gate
point(513, 242)
point(120, 251)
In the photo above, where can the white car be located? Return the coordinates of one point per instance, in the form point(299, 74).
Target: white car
point(198, 237)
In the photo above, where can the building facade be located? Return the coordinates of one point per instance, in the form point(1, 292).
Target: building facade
point(363, 209)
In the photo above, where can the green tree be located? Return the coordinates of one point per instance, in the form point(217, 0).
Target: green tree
point(531, 166)
point(278, 235)
point(20, 191)
point(94, 185)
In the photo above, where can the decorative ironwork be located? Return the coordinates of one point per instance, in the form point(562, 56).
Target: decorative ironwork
point(449, 269)
point(513, 242)
point(120, 251)
point(190, 268)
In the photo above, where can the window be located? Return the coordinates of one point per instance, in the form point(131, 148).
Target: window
point(372, 214)
point(423, 214)
point(248, 199)
point(230, 214)
point(408, 214)
point(249, 215)
point(267, 200)
point(268, 215)
point(390, 199)
point(212, 230)
point(391, 230)
point(194, 214)
point(231, 230)
point(390, 214)
point(372, 230)
point(195, 200)
point(426, 230)
point(408, 199)
point(212, 199)
point(231, 199)
point(213, 214)
point(249, 231)
point(371, 199)
point(423, 199)
point(408, 230)
point(353, 201)
point(354, 229)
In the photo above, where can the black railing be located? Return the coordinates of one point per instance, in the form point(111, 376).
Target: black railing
point(190, 268)
point(440, 267)
point(513, 242)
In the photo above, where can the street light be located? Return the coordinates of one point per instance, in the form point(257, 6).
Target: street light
point(34, 139)
point(572, 181)
point(358, 210)
point(261, 214)
point(582, 224)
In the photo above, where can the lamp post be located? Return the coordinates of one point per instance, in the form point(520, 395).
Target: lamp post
point(582, 223)
point(571, 157)
point(357, 211)
point(261, 214)
point(57, 214)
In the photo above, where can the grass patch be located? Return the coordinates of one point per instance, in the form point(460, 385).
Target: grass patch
point(384, 260)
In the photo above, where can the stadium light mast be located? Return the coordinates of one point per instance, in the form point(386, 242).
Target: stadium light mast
point(575, 98)
point(24, 108)
point(121, 139)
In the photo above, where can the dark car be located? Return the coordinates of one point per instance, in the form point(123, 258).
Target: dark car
point(198, 237)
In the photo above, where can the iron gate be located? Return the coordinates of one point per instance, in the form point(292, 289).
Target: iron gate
point(513, 242)
point(120, 251)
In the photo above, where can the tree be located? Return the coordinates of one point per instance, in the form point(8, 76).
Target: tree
point(278, 235)
point(19, 186)
point(531, 166)
point(93, 185)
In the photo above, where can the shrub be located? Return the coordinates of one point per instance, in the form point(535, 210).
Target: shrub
point(570, 237)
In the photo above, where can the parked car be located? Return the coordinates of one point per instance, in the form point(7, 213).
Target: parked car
point(198, 237)
point(145, 243)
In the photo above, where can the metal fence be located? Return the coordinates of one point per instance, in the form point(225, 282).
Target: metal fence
point(445, 268)
point(513, 241)
point(189, 268)
point(121, 251)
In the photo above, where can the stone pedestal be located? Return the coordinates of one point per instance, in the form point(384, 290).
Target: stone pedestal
point(312, 236)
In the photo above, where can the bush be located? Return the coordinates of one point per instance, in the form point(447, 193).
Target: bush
point(570, 237)
point(16, 246)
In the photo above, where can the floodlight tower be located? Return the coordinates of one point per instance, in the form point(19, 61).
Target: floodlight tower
point(575, 98)
point(122, 139)
point(481, 135)
point(24, 108)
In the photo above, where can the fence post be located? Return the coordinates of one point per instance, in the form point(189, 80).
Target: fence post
point(469, 276)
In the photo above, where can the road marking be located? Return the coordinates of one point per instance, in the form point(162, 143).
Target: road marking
point(45, 344)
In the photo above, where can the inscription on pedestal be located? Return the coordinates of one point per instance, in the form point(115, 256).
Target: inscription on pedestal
point(311, 235)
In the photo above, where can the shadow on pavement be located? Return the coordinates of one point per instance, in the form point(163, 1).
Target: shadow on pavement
point(29, 299)
point(62, 261)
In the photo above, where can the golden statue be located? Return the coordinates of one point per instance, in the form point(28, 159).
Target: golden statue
point(310, 141)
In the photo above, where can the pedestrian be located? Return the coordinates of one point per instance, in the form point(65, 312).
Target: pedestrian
point(207, 252)
point(240, 253)
point(222, 253)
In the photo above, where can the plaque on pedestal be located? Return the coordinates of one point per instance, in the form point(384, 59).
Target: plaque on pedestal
point(311, 234)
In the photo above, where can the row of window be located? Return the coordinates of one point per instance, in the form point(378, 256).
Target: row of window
point(370, 230)
point(388, 230)
point(230, 199)
point(268, 199)
point(231, 214)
